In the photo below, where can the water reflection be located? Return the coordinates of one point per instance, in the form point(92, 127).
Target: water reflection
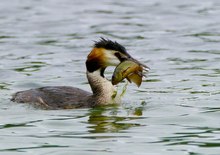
point(5, 37)
point(48, 42)
point(211, 110)
point(207, 36)
point(205, 51)
point(22, 149)
point(108, 119)
point(198, 136)
point(31, 67)
point(4, 86)
point(14, 125)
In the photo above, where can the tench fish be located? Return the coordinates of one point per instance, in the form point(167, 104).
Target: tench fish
point(130, 70)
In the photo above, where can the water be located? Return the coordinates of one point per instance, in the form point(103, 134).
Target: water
point(175, 111)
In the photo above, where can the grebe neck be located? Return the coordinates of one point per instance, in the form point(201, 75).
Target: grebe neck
point(103, 91)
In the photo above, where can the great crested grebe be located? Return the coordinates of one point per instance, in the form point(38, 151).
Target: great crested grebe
point(104, 53)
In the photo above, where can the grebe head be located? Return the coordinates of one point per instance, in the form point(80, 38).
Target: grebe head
point(104, 53)
point(107, 53)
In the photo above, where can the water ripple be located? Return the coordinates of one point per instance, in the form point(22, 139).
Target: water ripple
point(175, 111)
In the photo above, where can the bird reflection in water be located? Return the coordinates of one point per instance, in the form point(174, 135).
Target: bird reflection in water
point(109, 119)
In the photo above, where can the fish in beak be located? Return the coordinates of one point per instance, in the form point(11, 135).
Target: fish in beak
point(131, 69)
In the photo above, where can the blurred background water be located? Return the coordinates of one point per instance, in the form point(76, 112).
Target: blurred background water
point(175, 111)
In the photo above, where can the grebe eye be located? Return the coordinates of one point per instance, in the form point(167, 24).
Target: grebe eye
point(121, 57)
point(117, 54)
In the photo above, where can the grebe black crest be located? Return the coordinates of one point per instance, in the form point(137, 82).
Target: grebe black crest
point(104, 53)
